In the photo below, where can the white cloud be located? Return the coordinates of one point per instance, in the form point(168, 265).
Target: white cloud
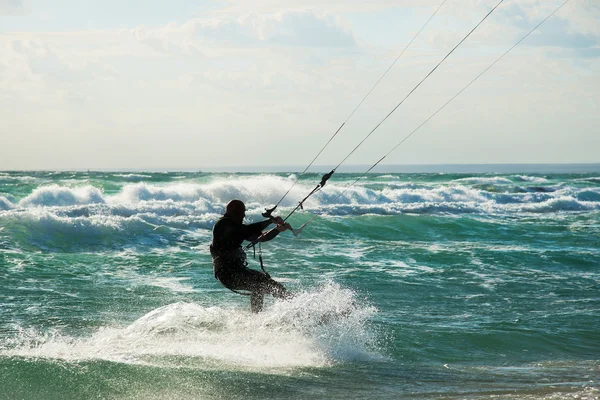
point(573, 26)
point(170, 39)
point(290, 28)
point(244, 7)
point(199, 37)
point(13, 7)
point(572, 32)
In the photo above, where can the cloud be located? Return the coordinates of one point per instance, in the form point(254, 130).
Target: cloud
point(570, 30)
point(40, 71)
point(283, 29)
point(286, 70)
point(573, 31)
point(243, 7)
point(557, 33)
point(308, 29)
point(13, 7)
point(289, 28)
point(584, 17)
point(46, 61)
point(170, 39)
point(579, 16)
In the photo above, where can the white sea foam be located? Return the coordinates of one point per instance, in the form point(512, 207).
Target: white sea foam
point(315, 328)
point(493, 180)
point(55, 195)
point(562, 203)
point(143, 192)
point(590, 179)
point(534, 179)
point(399, 268)
point(174, 284)
point(257, 190)
point(363, 196)
point(5, 204)
point(134, 176)
point(190, 205)
point(587, 393)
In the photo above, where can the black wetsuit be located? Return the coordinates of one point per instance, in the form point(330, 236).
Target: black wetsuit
point(229, 260)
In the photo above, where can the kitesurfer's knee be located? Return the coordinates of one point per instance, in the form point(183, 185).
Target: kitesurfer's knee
point(278, 290)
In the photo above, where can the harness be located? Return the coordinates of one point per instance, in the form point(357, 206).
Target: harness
point(236, 257)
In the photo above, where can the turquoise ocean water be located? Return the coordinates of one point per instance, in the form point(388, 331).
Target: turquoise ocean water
point(415, 286)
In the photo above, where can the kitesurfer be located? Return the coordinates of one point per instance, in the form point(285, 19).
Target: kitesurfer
point(229, 258)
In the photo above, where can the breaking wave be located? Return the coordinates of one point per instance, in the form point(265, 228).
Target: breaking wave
point(263, 190)
point(60, 196)
point(61, 216)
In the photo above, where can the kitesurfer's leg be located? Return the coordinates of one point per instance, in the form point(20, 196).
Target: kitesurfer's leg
point(266, 286)
point(258, 283)
point(256, 301)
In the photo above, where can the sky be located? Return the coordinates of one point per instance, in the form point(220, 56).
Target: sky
point(92, 84)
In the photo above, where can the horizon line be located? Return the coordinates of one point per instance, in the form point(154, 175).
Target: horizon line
point(355, 168)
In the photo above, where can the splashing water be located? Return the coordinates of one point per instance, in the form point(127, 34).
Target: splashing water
point(315, 328)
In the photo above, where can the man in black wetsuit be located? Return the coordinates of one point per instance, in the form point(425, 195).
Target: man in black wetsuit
point(229, 258)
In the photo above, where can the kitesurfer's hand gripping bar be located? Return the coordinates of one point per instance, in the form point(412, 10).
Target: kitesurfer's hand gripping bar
point(268, 213)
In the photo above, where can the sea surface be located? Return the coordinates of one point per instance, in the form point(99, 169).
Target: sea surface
point(407, 286)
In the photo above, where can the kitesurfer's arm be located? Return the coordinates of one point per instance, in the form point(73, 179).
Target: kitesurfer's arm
point(254, 230)
point(228, 235)
point(281, 227)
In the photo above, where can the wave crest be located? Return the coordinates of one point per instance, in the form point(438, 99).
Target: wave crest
point(55, 195)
